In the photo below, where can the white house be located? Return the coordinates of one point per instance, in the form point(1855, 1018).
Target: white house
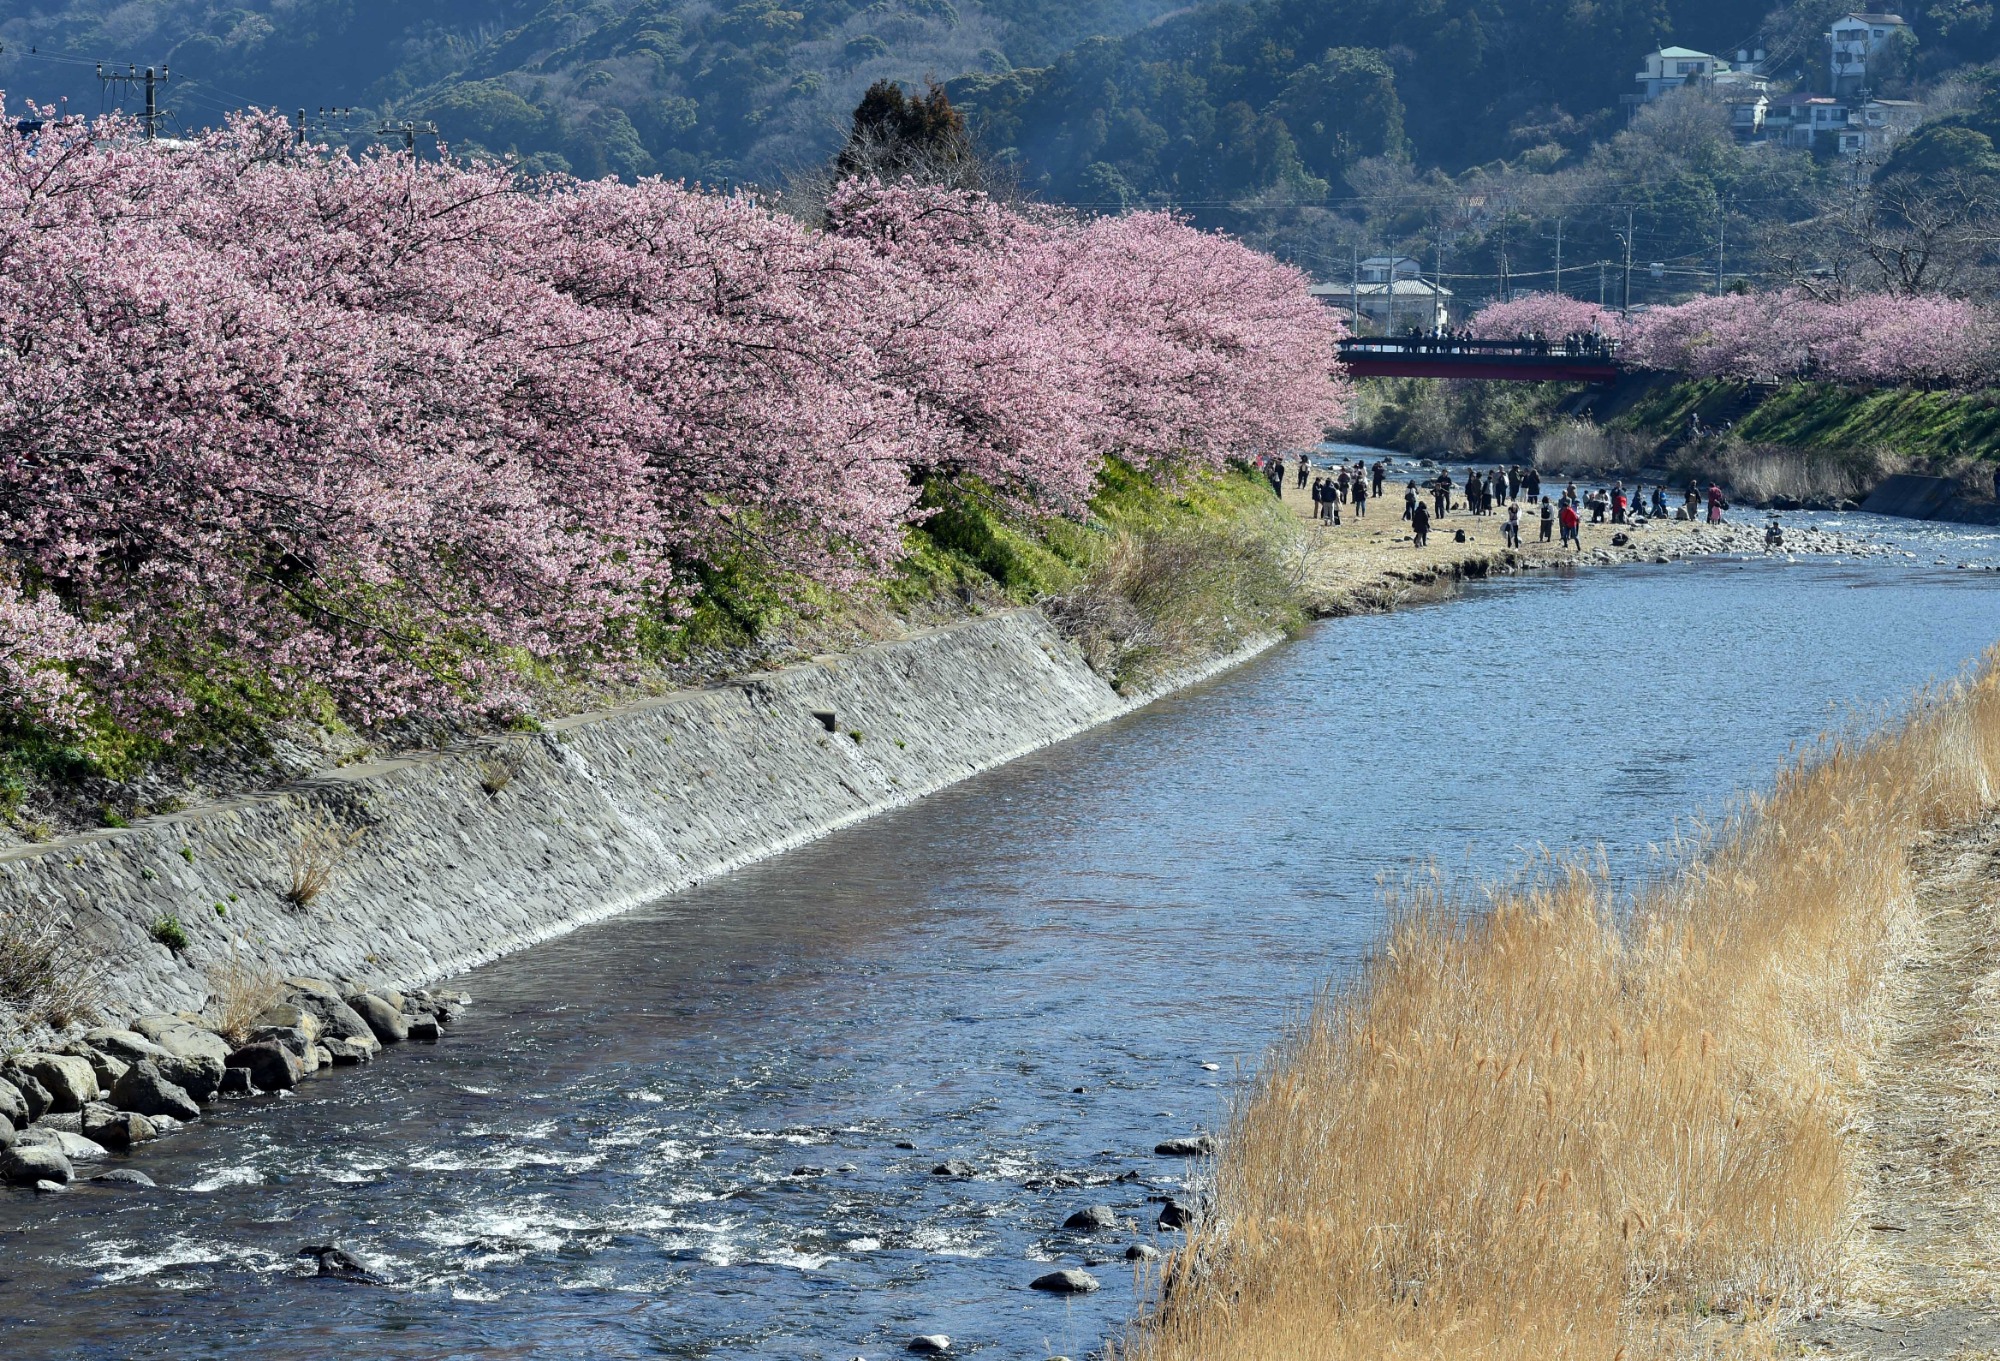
point(1391, 292)
point(1672, 67)
point(1854, 42)
point(1875, 126)
point(1799, 119)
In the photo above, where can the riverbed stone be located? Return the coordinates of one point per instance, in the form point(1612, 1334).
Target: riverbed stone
point(13, 1106)
point(272, 1067)
point(128, 1045)
point(425, 1028)
point(115, 1129)
point(956, 1167)
point(337, 1020)
point(1141, 1252)
point(72, 1146)
point(1068, 1281)
point(147, 1091)
point(108, 1067)
point(1092, 1218)
point(287, 1016)
point(123, 1176)
point(341, 1050)
point(296, 1040)
point(71, 1081)
point(27, 1164)
point(193, 1042)
point(1177, 1214)
point(385, 1021)
point(6, 1132)
point(35, 1099)
point(199, 1075)
point(928, 1344)
point(236, 1082)
point(1186, 1146)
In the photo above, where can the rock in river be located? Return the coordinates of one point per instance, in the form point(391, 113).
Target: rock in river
point(384, 1021)
point(123, 1176)
point(957, 1167)
point(1176, 1215)
point(929, 1344)
point(1068, 1281)
point(1142, 1252)
point(1092, 1218)
point(26, 1166)
point(114, 1128)
point(1190, 1146)
point(146, 1090)
point(272, 1067)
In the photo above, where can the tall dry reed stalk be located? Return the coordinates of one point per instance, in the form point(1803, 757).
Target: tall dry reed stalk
point(1566, 1128)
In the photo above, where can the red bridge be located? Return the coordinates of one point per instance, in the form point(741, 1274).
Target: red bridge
point(1585, 360)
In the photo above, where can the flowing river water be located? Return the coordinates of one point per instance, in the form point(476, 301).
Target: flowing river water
point(708, 1129)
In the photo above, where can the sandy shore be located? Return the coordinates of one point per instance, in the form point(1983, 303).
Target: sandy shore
point(1370, 562)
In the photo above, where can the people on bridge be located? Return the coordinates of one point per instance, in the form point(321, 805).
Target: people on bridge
point(1548, 520)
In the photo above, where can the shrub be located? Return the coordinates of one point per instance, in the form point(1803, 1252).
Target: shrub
point(45, 972)
point(316, 857)
point(168, 931)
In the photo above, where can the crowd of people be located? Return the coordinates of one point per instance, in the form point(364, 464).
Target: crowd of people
point(1513, 493)
point(1462, 340)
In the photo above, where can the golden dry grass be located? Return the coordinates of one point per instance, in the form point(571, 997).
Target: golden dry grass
point(1562, 1129)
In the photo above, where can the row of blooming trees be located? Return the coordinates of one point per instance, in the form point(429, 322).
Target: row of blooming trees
point(1877, 339)
point(405, 432)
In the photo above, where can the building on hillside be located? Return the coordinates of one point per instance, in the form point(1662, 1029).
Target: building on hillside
point(1746, 116)
point(1670, 68)
point(1801, 120)
point(1859, 46)
point(1389, 295)
point(1876, 126)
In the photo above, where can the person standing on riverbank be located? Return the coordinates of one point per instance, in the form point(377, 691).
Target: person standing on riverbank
point(1572, 525)
point(1305, 468)
point(1510, 532)
point(1360, 496)
point(1618, 504)
point(1716, 505)
point(1548, 520)
point(1420, 522)
point(1378, 474)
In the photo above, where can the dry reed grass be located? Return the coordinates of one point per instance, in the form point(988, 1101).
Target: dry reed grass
point(1585, 447)
point(46, 972)
point(316, 857)
point(240, 989)
point(1763, 472)
point(1566, 1128)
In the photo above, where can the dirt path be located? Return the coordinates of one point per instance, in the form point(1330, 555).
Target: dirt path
point(1921, 1269)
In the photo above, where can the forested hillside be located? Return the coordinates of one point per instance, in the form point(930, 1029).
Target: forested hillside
point(624, 87)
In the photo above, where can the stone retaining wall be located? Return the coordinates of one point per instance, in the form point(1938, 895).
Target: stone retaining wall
point(468, 854)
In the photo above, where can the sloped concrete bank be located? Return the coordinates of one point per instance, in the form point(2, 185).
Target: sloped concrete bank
point(440, 861)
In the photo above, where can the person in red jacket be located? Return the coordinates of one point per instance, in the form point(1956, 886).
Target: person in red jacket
point(1572, 524)
point(1716, 505)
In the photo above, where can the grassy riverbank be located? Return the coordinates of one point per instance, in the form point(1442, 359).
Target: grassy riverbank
point(1812, 441)
point(1550, 1127)
point(1161, 572)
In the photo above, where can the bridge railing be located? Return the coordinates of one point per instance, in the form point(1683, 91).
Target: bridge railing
point(1568, 347)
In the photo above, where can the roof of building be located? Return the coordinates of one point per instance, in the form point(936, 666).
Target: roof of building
point(1682, 53)
point(1794, 100)
point(1403, 288)
point(1883, 19)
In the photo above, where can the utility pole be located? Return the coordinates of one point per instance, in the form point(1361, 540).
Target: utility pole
point(1625, 304)
point(409, 131)
point(1506, 286)
point(130, 76)
point(1559, 255)
point(1721, 231)
point(1354, 292)
point(1600, 283)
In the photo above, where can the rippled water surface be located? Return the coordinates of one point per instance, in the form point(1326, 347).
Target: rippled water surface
point(679, 1133)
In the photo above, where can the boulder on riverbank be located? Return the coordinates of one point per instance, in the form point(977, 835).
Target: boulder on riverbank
point(1186, 1146)
point(31, 1164)
point(1092, 1218)
point(146, 1090)
point(271, 1066)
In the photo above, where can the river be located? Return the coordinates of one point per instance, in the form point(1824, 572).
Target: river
point(707, 1129)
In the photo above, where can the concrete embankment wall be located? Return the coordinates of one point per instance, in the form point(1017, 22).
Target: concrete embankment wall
point(598, 813)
